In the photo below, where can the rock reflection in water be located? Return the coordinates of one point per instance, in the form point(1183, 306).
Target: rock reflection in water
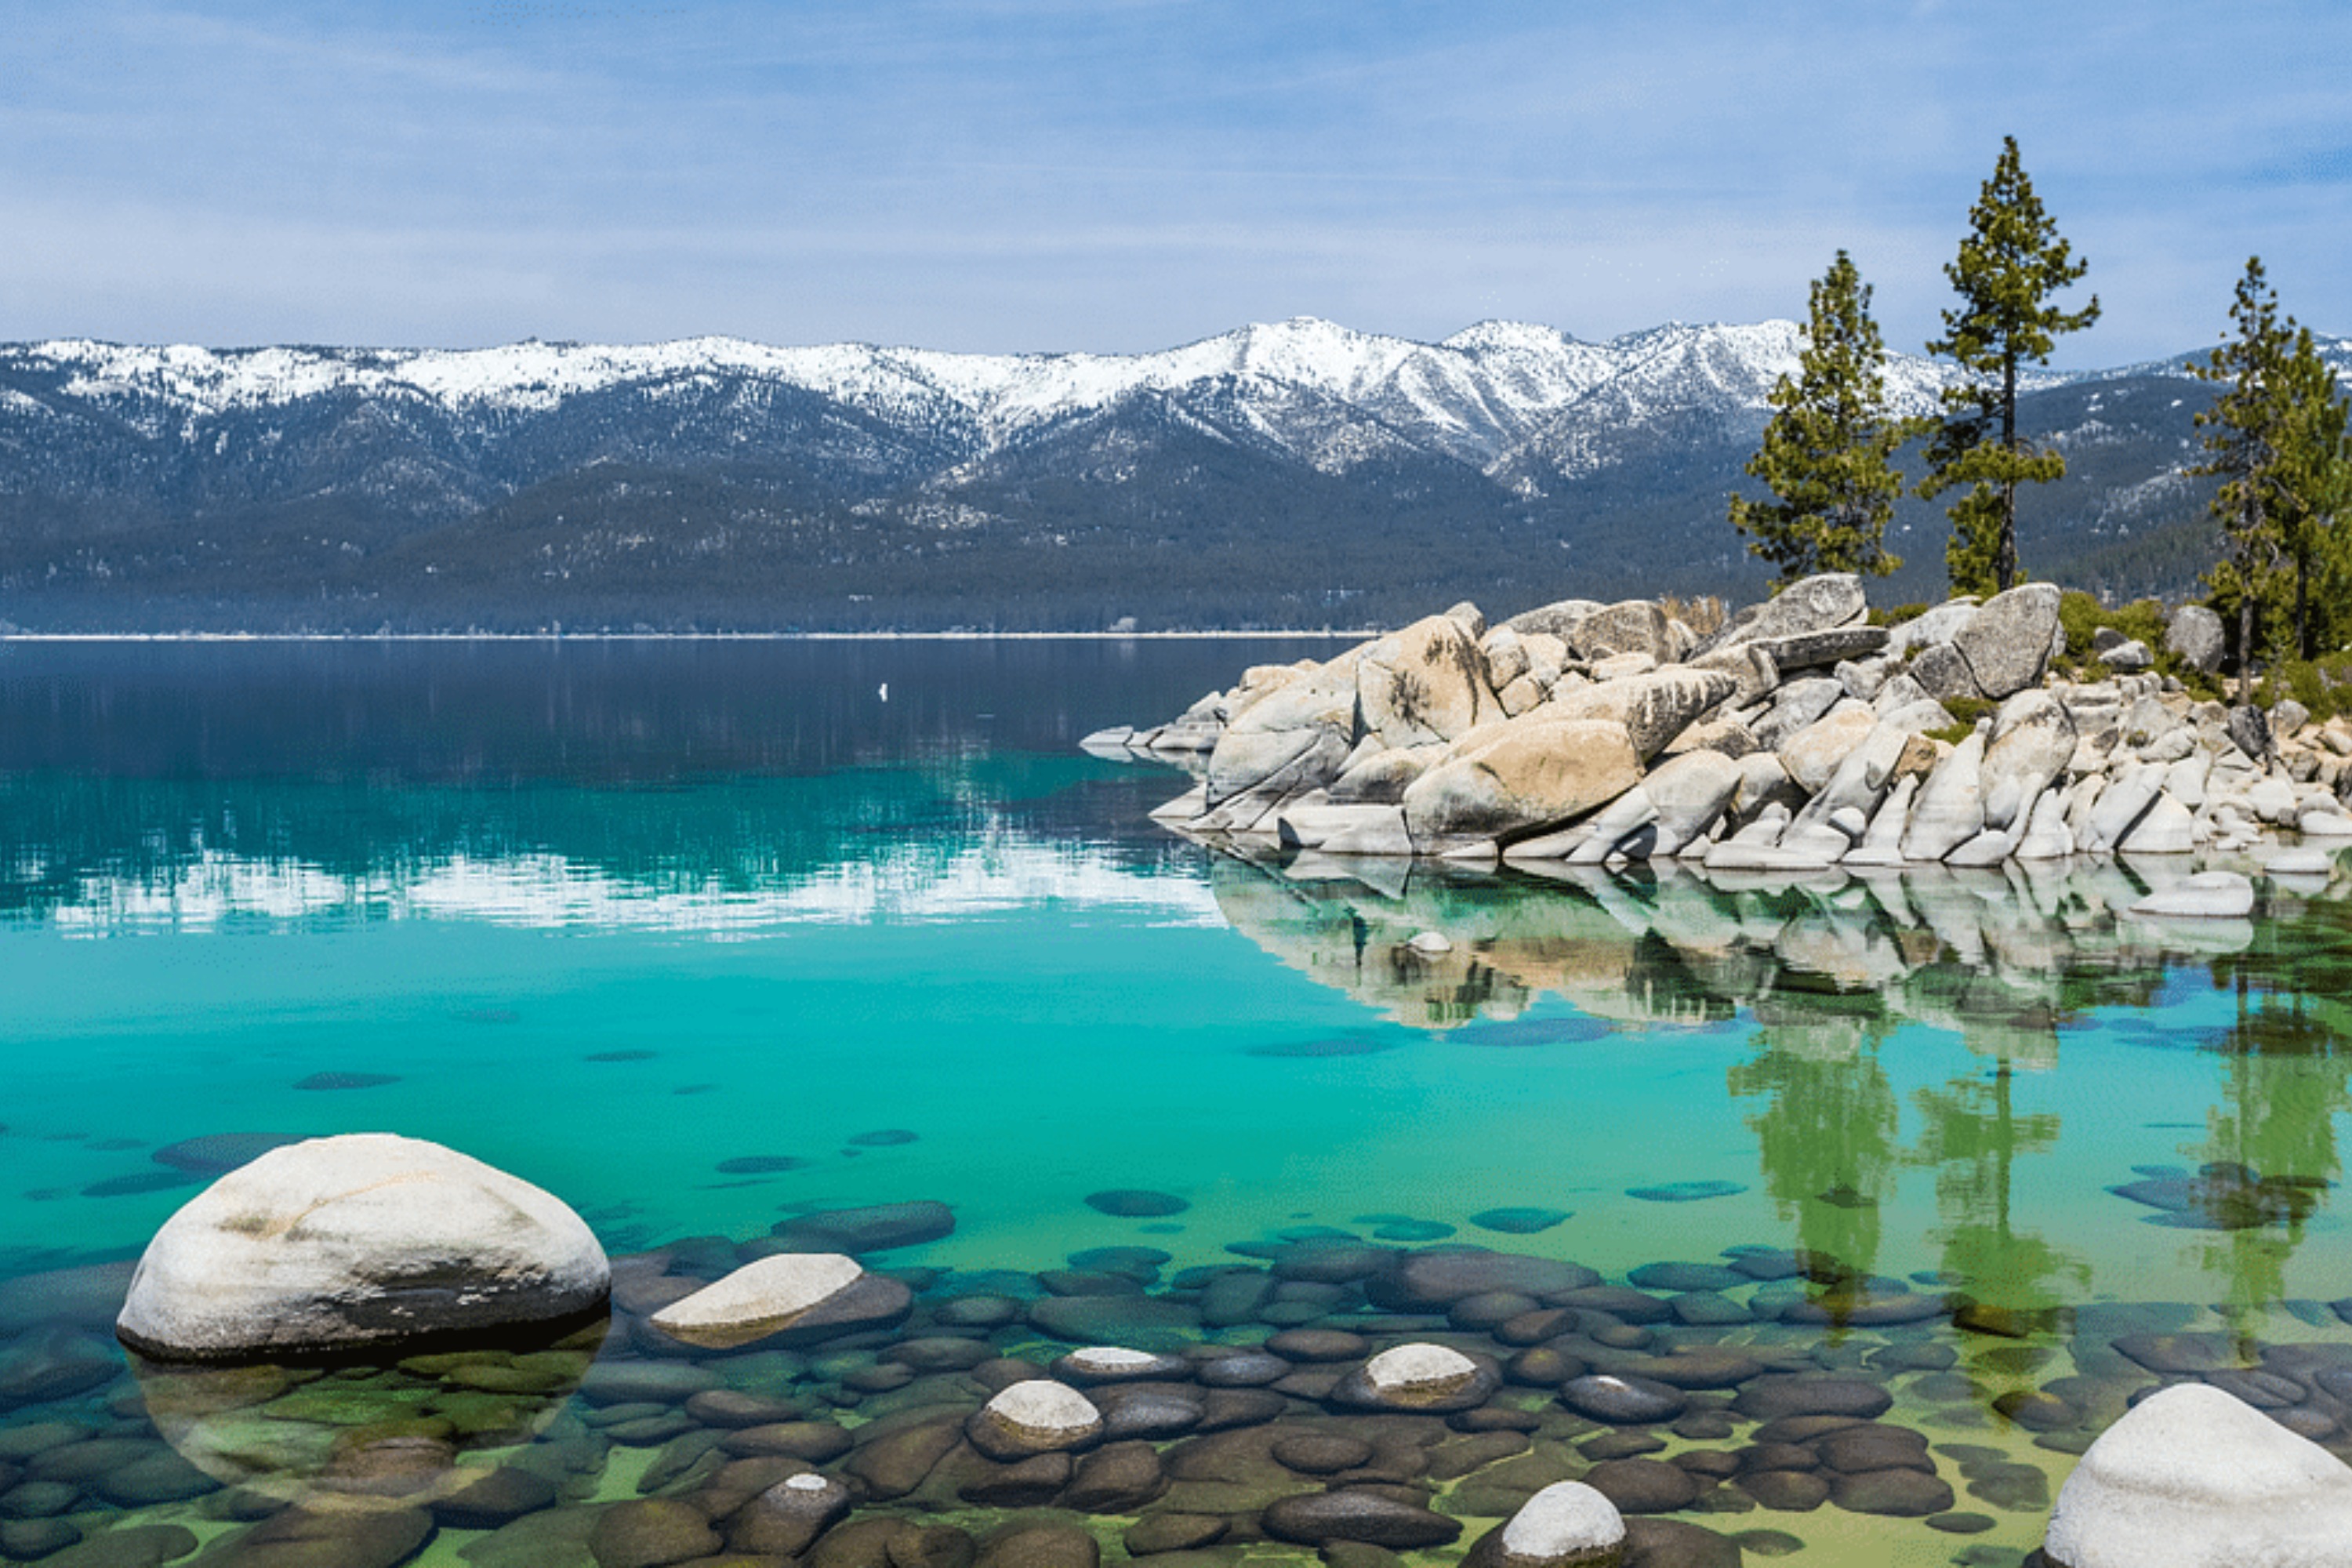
point(1829, 967)
point(2000, 956)
point(353, 1436)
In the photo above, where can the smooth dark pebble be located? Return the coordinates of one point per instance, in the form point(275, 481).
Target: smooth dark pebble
point(1961, 1523)
point(1518, 1221)
point(1686, 1192)
point(1136, 1203)
point(144, 1181)
point(757, 1165)
point(317, 1081)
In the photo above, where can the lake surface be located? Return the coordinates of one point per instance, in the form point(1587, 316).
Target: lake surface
point(704, 936)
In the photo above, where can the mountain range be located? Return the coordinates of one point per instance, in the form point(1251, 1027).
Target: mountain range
point(1296, 474)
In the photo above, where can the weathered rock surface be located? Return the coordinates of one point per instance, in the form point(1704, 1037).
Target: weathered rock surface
point(2032, 738)
point(2009, 641)
point(2194, 635)
point(1949, 808)
point(2193, 1477)
point(1654, 708)
point(364, 1239)
point(1634, 625)
point(1527, 774)
point(1427, 683)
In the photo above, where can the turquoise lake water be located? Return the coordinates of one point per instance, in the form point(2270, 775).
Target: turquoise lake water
point(667, 928)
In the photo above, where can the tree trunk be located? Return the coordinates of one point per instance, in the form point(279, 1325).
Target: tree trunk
point(2302, 603)
point(2004, 560)
point(2250, 518)
point(2245, 646)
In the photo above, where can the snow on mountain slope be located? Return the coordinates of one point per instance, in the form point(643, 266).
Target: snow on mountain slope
point(1500, 395)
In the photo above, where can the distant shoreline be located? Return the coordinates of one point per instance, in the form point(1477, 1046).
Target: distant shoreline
point(1327, 634)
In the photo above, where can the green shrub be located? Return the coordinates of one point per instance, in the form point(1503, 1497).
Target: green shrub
point(2318, 684)
point(2142, 620)
point(1965, 713)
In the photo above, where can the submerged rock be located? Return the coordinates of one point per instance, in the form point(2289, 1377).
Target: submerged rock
point(1424, 1378)
point(878, 1227)
point(801, 1293)
point(366, 1239)
point(1566, 1525)
point(1035, 1416)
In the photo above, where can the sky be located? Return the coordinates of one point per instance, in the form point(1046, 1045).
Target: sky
point(1119, 175)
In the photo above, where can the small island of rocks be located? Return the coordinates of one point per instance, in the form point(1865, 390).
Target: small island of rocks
point(1797, 736)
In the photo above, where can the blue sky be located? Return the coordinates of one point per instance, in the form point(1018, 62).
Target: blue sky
point(1124, 175)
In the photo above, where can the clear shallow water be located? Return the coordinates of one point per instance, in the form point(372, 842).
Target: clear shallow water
point(618, 916)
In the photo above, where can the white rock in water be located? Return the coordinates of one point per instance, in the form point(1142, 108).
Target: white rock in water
point(364, 1239)
point(1419, 1368)
point(1110, 1363)
point(1035, 1416)
point(2193, 1477)
point(2325, 823)
point(2306, 861)
point(766, 1295)
point(1430, 942)
point(1568, 1522)
point(2208, 895)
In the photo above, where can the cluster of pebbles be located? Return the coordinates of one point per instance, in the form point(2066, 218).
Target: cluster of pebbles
point(1315, 1398)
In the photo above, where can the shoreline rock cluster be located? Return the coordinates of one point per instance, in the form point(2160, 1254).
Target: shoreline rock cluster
point(1797, 737)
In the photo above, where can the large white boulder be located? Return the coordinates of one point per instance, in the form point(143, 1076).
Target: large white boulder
point(1653, 708)
point(1527, 775)
point(2010, 640)
point(337, 1244)
point(2194, 1478)
point(1427, 683)
point(1949, 810)
point(2032, 736)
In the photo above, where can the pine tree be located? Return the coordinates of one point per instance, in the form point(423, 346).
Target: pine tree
point(2249, 432)
point(2009, 264)
point(1826, 449)
point(2317, 461)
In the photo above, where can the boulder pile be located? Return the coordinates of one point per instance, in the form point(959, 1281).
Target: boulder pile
point(1796, 737)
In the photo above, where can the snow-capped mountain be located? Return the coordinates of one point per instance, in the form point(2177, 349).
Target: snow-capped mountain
point(1477, 396)
point(849, 474)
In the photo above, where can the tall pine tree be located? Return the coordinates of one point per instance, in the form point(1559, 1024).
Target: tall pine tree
point(1826, 449)
point(2276, 434)
point(2319, 459)
point(2011, 262)
point(2246, 431)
